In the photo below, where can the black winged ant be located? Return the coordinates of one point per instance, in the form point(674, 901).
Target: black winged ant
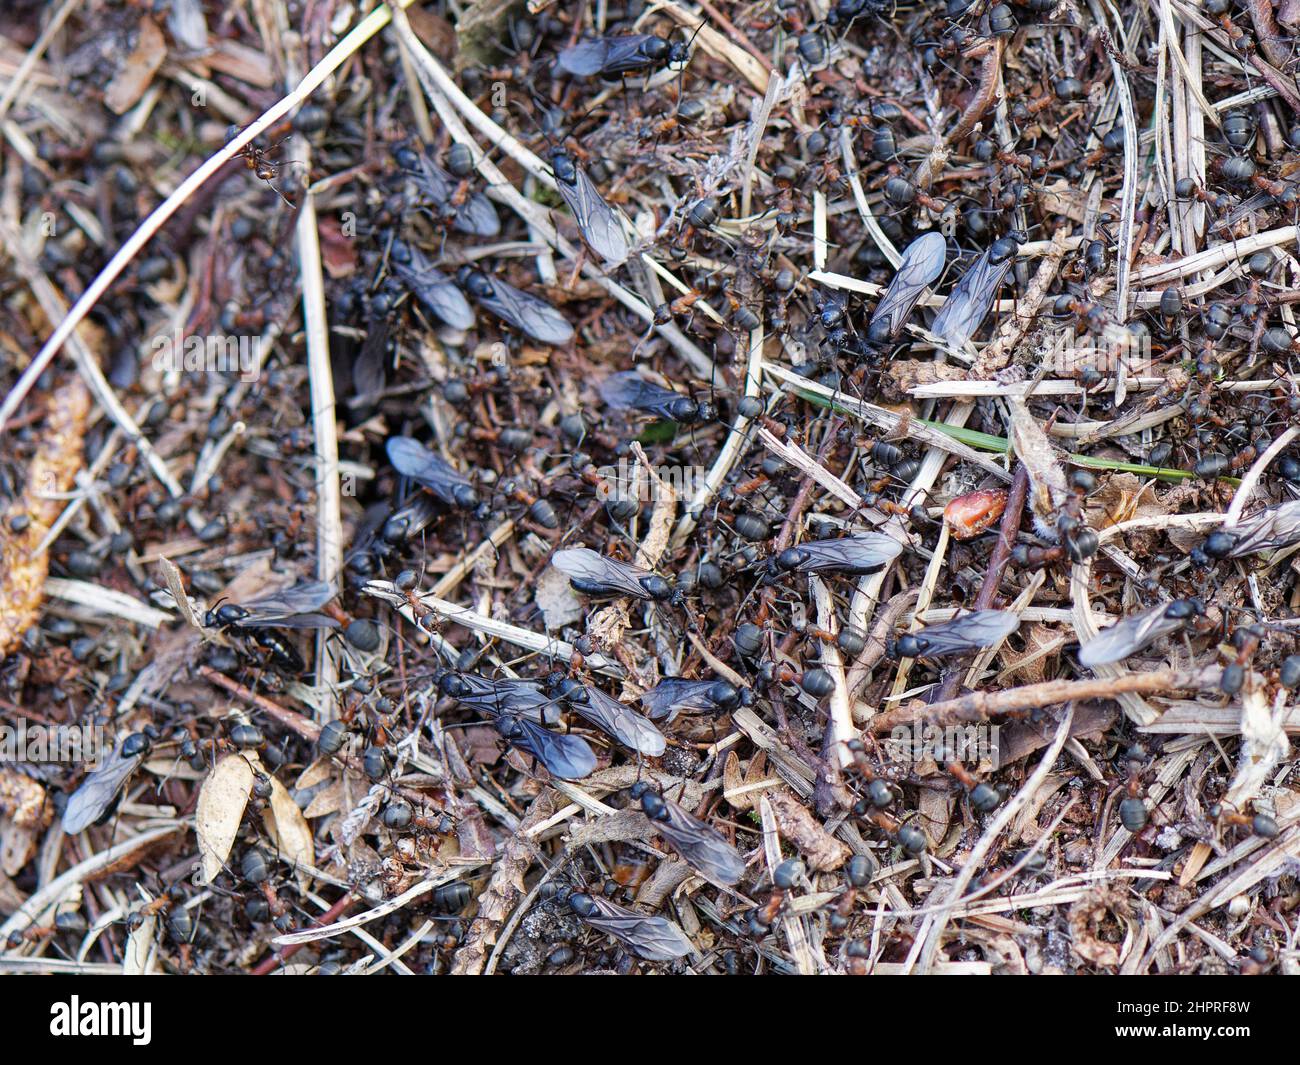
point(529, 314)
point(703, 847)
point(297, 607)
point(619, 55)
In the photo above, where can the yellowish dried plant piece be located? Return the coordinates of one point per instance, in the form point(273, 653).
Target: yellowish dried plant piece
point(52, 471)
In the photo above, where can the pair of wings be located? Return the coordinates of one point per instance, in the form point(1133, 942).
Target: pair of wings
point(584, 564)
point(439, 294)
point(847, 554)
point(1268, 530)
point(703, 847)
point(921, 265)
point(969, 632)
point(619, 720)
point(412, 459)
point(528, 702)
point(526, 698)
point(599, 223)
point(525, 312)
point(607, 55)
point(290, 608)
point(1130, 635)
point(88, 803)
point(970, 301)
point(476, 216)
point(628, 390)
point(966, 307)
point(653, 938)
point(565, 756)
point(517, 708)
point(672, 695)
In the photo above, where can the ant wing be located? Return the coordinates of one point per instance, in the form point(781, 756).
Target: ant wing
point(478, 217)
point(1268, 530)
point(968, 304)
point(653, 938)
point(434, 289)
point(1243, 210)
point(703, 846)
point(369, 369)
point(620, 721)
point(583, 59)
point(521, 697)
point(923, 261)
point(292, 608)
point(87, 804)
point(1128, 636)
point(432, 180)
point(410, 518)
point(565, 756)
point(412, 459)
point(597, 220)
point(441, 298)
point(672, 695)
point(605, 55)
point(595, 570)
point(527, 313)
point(970, 632)
point(849, 554)
point(629, 390)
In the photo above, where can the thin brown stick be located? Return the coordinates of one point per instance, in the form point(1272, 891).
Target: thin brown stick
point(1267, 34)
point(998, 560)
point(979, 706)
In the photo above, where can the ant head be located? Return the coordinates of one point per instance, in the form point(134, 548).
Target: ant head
point(908, 646)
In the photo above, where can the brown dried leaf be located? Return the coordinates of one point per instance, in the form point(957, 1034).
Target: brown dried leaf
point(316, 773)
point(474, 836)
point(289, 830)
point(1123, 497)
point(1086, 918)
point(137, 71)
point(22, 800)
point(614, 828)
point(1028, 667)
point(1002, 951)
point(732, 782)
point(1021, 739)
point(555, 599)
point(797, 824)
point(742, 792)
point(329, 800)
point(242, 63)
point(220, 810)
point(1062, 198)
point(17, 847)
point(935, 807)
point(1048, 490)
point(907, 374)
